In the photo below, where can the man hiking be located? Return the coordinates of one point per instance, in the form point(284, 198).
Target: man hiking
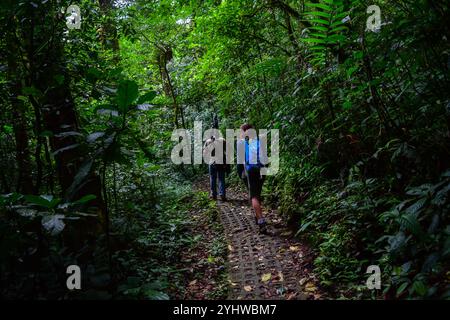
point(216, 164)
point(250, 171)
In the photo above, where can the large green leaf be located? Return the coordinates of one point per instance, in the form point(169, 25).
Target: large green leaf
point(322, 21)
point(319, 28)
point(146, 98)
point(85, 199)
point(319, 14)
point(410, 223)
point(313, 40)
point(44, 201)
point(402, 288)
point(126, 94)
point(420, 288)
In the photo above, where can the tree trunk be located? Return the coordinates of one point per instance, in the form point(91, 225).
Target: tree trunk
point(164, 57)
point(58, 111)
point(24, 181)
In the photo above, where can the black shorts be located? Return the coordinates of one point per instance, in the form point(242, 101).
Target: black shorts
point(255, 182)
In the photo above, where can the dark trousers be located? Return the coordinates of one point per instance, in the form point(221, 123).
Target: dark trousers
point(214, 174)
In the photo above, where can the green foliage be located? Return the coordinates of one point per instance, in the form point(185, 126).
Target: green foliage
point(421, 238)
point(126, 94)
point(326, 32)
point(363, 118)
point(342, 225)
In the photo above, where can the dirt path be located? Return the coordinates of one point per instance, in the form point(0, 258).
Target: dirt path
point(272, 266)
point(232, 260)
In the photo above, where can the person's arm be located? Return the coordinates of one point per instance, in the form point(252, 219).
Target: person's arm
point(205, 148)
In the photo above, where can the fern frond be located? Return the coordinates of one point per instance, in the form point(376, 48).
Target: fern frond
point(327, 28)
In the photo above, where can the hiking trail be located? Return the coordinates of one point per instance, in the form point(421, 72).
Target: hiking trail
point(272, 266)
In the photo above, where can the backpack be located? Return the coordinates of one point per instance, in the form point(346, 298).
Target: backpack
point(221, 166)
point(252, 154)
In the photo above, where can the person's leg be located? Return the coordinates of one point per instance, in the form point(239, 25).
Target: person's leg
point(221, 176)
point(213, 180)
point(255, 188)
point(256, 204)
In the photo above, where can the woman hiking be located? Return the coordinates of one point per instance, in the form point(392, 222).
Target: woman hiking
point(250, 171)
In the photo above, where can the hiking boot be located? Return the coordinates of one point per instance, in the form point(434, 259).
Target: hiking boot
point(262, 225)
point(262, 228)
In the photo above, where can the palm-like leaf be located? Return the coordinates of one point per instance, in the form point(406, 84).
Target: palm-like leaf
point(327, 28)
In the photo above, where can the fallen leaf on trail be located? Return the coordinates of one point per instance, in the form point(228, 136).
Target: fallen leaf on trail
point(266, 277)
point(248, 288)
point(310, 287)
point(291, 296)
point(294, 248)
point(193, 282)
point(280, 275)
point(230, 247)
point(302, 281)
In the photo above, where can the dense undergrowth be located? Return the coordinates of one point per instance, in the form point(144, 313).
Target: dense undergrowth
point(149, 232)
point(360, 224)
